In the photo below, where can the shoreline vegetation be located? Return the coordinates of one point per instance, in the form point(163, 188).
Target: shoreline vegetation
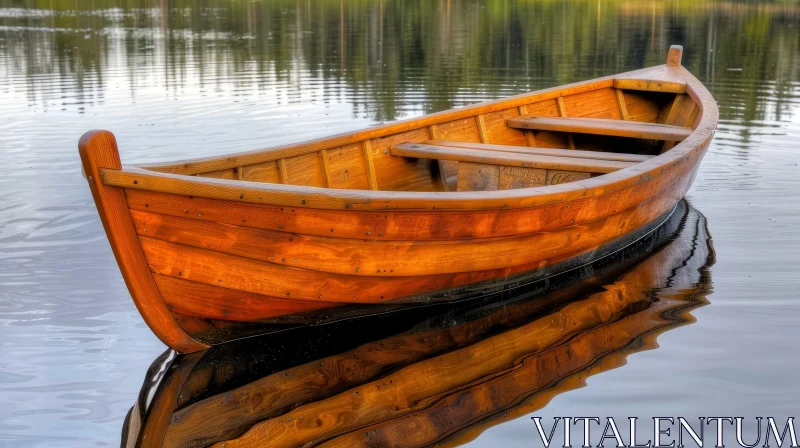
point(438, 60)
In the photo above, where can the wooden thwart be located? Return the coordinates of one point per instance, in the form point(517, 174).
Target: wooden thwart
point(575, 153)
point(599, 126)
point(423, 151)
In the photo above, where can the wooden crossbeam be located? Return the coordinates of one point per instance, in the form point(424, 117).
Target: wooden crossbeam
point(599, 126)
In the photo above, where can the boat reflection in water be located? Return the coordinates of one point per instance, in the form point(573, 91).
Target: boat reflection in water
point(436, 374)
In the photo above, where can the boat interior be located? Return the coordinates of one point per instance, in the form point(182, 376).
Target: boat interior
point(550, 137)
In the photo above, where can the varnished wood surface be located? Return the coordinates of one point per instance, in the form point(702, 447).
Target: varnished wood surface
point(98, 151)
point(600, 126)
point(504, 158)
point(446, 380)
point(621, 157)
point(372, 216)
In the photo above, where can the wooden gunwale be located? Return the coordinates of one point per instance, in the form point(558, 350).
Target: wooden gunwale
point(394, 225)
point(323, 198)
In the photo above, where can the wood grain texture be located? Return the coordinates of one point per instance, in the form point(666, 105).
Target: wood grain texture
point(255, 276)
point(408, 225)
point(503, 158)
point(410, 205)
point(374, 258)
point(604, 127)
point(423, 403)
point(621, 157)
point(655, 79)
point(98, 150)
point(212, 302)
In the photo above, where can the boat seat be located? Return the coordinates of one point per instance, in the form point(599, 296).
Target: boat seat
point(574, 153)
point(602, 126)
point(485, 170)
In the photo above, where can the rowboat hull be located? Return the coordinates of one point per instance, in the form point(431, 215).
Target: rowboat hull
point(215, 248)
point(392, 380)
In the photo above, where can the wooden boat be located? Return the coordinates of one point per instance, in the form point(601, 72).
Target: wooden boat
point(436, 208)
point(441, 377)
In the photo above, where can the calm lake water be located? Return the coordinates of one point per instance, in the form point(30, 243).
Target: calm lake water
point(178, 78)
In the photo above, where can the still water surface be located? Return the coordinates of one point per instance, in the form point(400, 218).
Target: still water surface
point(179, 78)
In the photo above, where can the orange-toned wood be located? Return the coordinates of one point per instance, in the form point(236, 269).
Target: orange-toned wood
point(513, 177)
point(621, 157)
point(473, 382)
point(599, 126)
point(663, 78)
point(162, 405)
point(600, 103)
point(385, 258)
point(642, 106)
point(98, 150)
point(401, 174)
point(498, 133)
point(229, 414)
point(448, 169)
point(562, 112)
point(259, 277)
point(623, 108)
point(304, 170)
point(411, 225)
point(413, 207)
point(530, 138)
point(477, 177)
point(212, 302)
point(262, 172)
point(372, 181)
point(278, 393)
point(346, 168)
point(507, 158)
point(282, 171)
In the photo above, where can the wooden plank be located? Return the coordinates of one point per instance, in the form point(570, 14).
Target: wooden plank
point(623, 108)
point(282, 171)
point(346, 167)
point(323, 162)
point(530, 138)
point(674, 56)
point(98, 150)
point(555, 177)
point(663, 78)
point(212, 302)
point(477, 177)
point(568, 339)
point(262, 172)
point(641, 106)
point(409, 225)
point(371, 258)
point(599, 126)
point(514, 177)
point(465, 130)
point(481, 123)
point(305, 170)
point(623, 157)
point(668, 115)
point(600, 103)
point(399, 174)
point(370, 165)
point(508, 158)
point(221, 174)
point(498, 132)
point(562, 112)
point(448, 170)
